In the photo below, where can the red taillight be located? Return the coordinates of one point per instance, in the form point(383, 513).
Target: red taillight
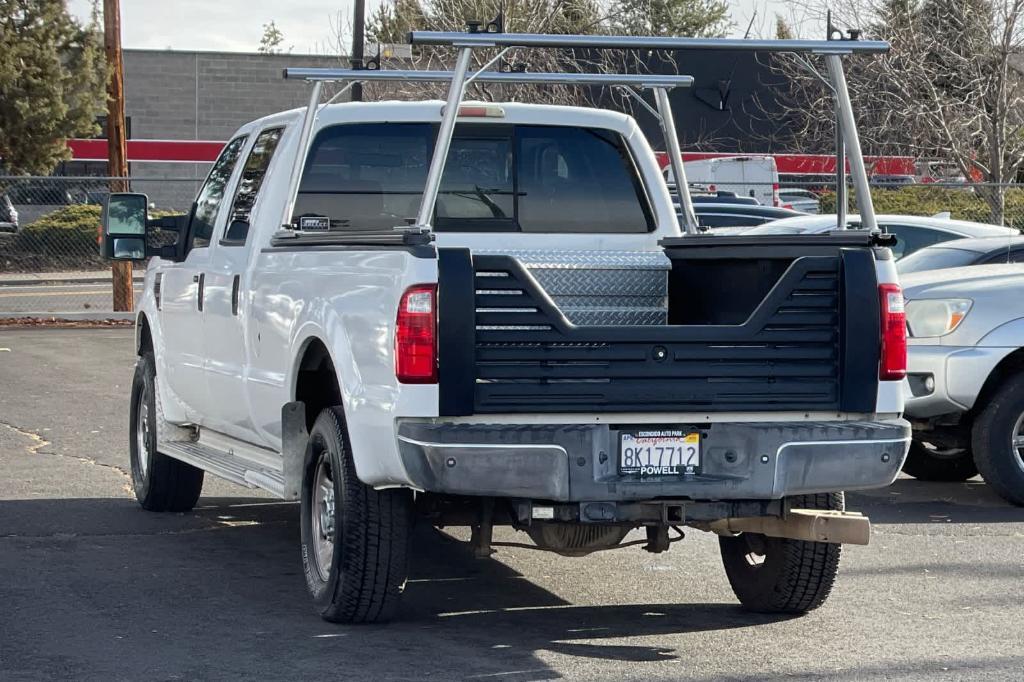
point(775, 194)
point(416, 336)
point(893, 365)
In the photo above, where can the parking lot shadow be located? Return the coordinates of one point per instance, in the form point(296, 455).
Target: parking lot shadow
point(102, 589)
point(912, 501)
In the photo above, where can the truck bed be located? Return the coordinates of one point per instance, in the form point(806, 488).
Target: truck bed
point(753, 324)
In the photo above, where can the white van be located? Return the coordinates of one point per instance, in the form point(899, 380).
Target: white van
point(747, 176)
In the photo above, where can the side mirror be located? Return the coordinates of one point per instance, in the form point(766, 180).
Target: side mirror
point(129, 233)
point(124, 226)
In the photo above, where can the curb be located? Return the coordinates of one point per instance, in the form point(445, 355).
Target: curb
point(60, 282)
point(71, 317)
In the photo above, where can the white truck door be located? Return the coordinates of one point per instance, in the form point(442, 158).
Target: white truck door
point(226, 304)
point(183, 293)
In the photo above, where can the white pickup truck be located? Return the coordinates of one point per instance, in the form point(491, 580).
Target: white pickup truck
point(542, 348)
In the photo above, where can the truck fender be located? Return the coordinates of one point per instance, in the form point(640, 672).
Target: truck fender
point(294, 429)
point(973, 372)
point(1007, 335)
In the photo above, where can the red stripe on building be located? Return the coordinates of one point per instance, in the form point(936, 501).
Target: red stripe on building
point(150, 151)
point(206, 151)
point(813, 163)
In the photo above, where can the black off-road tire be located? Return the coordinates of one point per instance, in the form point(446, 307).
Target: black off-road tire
point(161, 483)
point(369, 563)
point(925, 465)
point(794, 577)
point(992, 436)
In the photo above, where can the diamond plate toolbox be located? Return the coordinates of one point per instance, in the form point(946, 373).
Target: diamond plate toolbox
point(603, 288)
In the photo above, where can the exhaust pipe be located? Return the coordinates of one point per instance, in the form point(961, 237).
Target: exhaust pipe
point(813, 525)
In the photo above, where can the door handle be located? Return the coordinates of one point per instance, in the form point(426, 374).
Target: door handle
point(202, 285)
point(234, 295)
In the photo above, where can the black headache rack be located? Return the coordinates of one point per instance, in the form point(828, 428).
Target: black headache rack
point(809, 343)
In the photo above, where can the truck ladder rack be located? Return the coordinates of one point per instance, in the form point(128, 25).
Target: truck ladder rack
point(832, 50)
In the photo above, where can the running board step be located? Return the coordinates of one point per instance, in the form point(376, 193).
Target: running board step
point(229, 465)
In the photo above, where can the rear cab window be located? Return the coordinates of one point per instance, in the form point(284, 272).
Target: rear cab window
point(498, 178)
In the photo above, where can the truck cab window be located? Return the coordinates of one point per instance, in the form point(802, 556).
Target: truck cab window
point(212, 193)
point(497, 178)
point(578, 180)
point(255, 168)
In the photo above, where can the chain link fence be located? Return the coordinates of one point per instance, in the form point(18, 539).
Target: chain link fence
point(49, 230)
point(50, 263)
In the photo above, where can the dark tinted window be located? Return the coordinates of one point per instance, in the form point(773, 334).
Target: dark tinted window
point(477, 189)
point(909, 238)
point(497, 177)
point(723, 220)
point(577, 180)
point(936, 259)
point(249, 184)
point(212, 193)
point(1014, 254)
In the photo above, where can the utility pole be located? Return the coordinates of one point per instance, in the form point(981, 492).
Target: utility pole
point(117, 146)
point(358, 33)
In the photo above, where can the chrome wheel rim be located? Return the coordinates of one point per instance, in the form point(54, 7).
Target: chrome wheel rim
point(1017, 441)
point(142, 433)
point(322, 514)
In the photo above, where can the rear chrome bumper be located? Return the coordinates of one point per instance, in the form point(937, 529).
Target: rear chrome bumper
point(571, 463)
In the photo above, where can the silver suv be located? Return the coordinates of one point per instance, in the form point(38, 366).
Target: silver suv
point(965, 375)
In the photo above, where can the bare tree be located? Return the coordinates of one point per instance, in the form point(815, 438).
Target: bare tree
point(951, 87)
point(392, 21)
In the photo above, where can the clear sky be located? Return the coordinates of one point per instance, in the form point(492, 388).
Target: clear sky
point(309, 26)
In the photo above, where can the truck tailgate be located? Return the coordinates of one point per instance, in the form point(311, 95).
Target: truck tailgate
point(754, 324)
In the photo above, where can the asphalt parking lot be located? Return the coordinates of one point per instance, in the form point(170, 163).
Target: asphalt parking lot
point(94, 588)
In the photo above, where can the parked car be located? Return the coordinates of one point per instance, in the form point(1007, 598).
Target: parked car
point(729, 215)
point(8, 215)
point(965, 375)
point(40, 192)
point(546, 351)
point(803, 200)
point(939, 172)
point(962, 252)
point(891, 181)
point(912, 232)
point(707, 197)
point(721, 198)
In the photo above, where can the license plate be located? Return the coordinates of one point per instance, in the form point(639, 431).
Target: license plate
point(665, 452)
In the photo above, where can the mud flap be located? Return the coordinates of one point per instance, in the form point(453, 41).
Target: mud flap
point(293, 447)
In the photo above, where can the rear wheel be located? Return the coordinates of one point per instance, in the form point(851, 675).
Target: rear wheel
point(355, 540)
point(998, 441)
point(161, 483)
point(928, 463)
point(778, 575)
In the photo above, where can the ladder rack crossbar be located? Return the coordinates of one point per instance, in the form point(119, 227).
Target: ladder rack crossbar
point(642, 81)
point(606, 42)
